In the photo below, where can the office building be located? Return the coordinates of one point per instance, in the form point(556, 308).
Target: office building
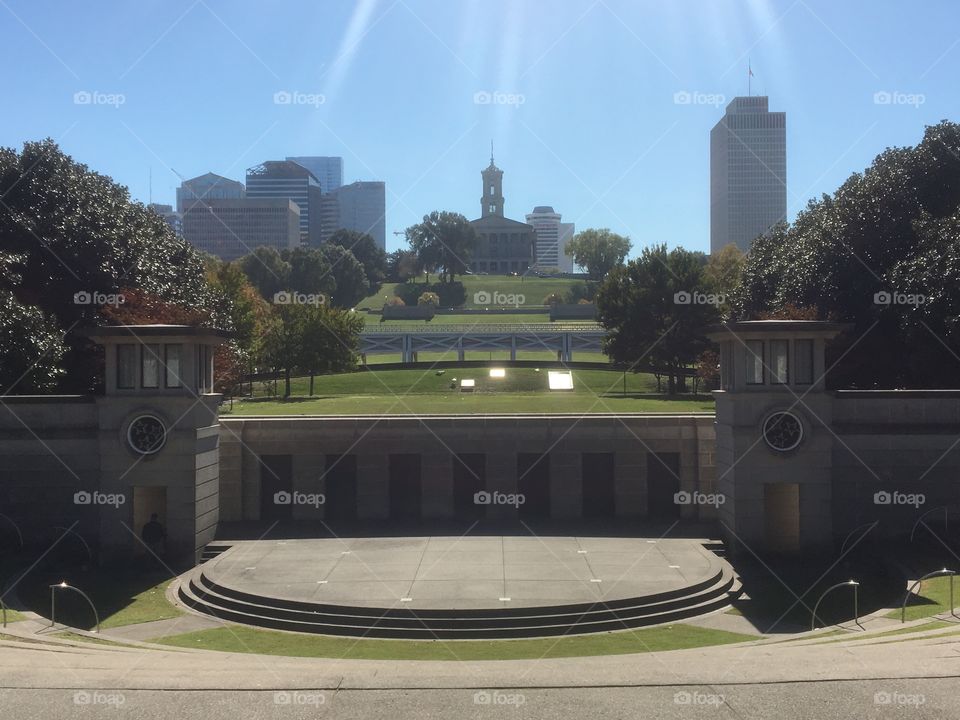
point(231, 228)
point(169, 215)
point(552, 239)
point(207, 187)
point(359, 206)
point(287, 179)
point(748, 173)
point(328, 170)
point(503, 246)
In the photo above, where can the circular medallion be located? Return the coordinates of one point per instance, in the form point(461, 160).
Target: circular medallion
point(146, 434)
point(782, 431)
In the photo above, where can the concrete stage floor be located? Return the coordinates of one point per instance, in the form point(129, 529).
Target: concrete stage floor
point(449, 572)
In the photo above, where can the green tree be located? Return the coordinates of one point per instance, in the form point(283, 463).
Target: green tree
point(310, 271)
point(401, 265)
point(889, 233)
point(656, 310)
point(443, 242)
point(282, 347)
point(724, 272)
point(366, 251)
point(31, 347)
point(77, 234)
point(599, 251)
point(330, 341)
point(350, 281)
point(267, 270)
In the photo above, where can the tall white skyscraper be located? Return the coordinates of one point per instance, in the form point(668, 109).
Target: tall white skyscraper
point(748, 173)
point(328, 170)
point(552, 239)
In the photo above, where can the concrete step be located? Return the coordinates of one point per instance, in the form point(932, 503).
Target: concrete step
point(198, 593)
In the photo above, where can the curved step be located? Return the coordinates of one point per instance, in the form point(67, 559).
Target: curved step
point(198, 593)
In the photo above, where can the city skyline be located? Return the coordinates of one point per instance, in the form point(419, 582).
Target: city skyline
point(358, 93)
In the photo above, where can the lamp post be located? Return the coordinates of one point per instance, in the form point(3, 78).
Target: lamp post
point(856, 602)
point(53, 600)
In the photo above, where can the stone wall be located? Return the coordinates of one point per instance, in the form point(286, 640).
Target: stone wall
point(438, 439)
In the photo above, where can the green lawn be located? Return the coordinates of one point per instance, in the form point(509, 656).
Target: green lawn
point(933, 598)
point(120, 598)
point(13, 616)
point(523, 390)
point(533, 289)
point(238, 638)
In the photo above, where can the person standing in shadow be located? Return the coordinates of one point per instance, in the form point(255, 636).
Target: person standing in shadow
point(154, 537)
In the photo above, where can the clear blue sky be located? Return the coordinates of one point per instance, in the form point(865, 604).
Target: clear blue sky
point(598, 134)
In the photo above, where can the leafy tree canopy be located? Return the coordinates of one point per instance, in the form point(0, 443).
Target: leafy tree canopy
point(599, 251)
point(365, 250)
point(882, 253)
point(77, 236)
point(443, 242)
point(656, 310)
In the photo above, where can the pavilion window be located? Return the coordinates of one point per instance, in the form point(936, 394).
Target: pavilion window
point(754, 362)
point(803, 365)
point(127, 366)
point(779, 367)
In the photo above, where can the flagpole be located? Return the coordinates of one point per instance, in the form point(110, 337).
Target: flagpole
point(749, 78)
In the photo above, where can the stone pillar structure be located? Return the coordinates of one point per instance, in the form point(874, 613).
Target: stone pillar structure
point(774, 443)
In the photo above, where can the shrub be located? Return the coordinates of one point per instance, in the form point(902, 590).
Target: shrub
point(429, 298)
point(449, 294)
point(553, 299)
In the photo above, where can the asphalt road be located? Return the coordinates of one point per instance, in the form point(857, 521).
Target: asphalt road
point(932, 698)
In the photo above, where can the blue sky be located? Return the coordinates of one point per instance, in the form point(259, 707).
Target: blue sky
point(582, 114)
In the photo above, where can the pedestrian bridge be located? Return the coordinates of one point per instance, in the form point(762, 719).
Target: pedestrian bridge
point(564, 339)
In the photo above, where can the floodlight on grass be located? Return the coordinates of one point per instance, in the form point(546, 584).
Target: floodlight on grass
point(467, 385)
point(498, 373)
point(560, 380)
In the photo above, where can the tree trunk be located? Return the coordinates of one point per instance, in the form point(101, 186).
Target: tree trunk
point(286, 383)
point(311, 384)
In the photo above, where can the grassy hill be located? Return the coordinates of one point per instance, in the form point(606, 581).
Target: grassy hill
point(534, 289)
